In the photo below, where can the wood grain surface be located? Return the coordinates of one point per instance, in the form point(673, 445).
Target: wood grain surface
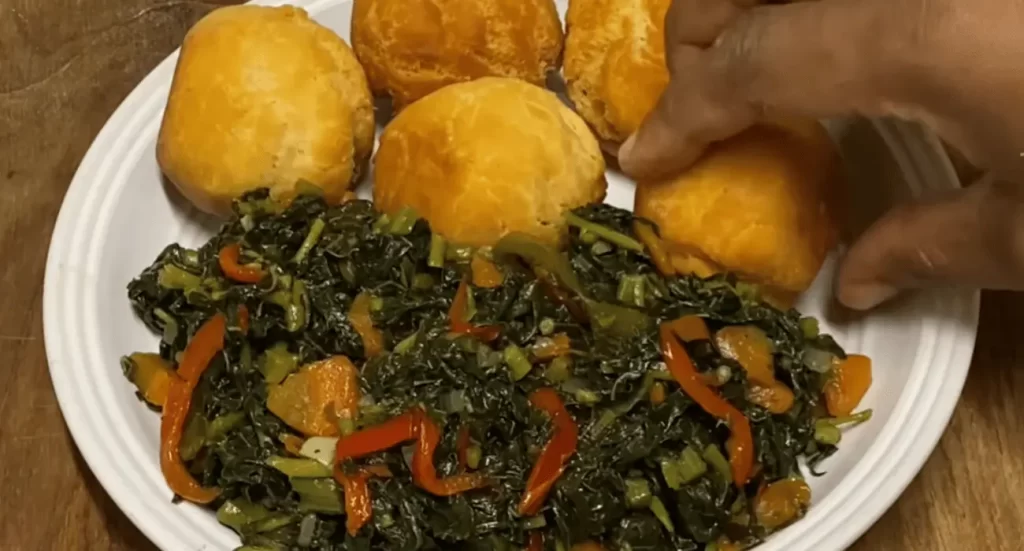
point(64, 67)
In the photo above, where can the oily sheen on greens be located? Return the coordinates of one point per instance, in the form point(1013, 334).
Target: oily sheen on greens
point(319, 258)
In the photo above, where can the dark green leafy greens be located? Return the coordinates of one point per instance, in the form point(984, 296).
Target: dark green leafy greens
point(644, 476)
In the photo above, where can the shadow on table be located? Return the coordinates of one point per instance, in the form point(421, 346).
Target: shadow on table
point(121, 532)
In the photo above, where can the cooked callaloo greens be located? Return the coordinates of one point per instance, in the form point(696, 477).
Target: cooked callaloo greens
point(331, 378)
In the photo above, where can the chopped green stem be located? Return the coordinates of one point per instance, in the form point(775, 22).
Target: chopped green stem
point(436, 256)
point(473, 456)
point(638, 493)
point(295, 313)
point(312, 237)
point(299, 468)
point(237, 513)
point(437, 250)
point(519, 365)
point(273, 522)
point(714, 457)
point(659, 510)
point(631, 290)
point(318, 495)
point(608, 234)
point(174, 277)
point(383, 222)
point(691, 466)
point(170, 325)
point(827, 433)
point(558, 370)
point(406, 344)
point(458, 254)
point(403, 222)
point(223, 425)
point(278, 363)
point(853, 420)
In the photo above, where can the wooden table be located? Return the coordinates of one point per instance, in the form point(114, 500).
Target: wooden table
point(64, 67)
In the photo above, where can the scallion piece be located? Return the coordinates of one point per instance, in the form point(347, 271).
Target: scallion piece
point(671, 473)
point(558, 370)
point(519, 365)
point(617, 238)
point(691, 466)
point(638, 493)
point(809, 327)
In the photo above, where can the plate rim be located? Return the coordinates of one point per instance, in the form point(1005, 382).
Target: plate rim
point(962, 309)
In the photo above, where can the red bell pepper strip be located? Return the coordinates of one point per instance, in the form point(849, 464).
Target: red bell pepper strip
point(358, 509)
point(200, 351)
point(242, 273)
point(380, 437)
point(364, 442)
point(536, 542)
point(459, 324)
point(425, 475)
point(741, 443)
point(556, 452)
point(412, 425)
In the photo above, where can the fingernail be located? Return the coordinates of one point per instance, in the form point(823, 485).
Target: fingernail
point(866, 296)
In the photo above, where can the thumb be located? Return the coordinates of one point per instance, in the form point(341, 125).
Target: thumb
point(814, 59)
point(970, 238)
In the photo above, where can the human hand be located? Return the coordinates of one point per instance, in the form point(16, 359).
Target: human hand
point(948, 64)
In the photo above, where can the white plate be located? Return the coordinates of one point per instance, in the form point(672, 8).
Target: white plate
point(117, 216)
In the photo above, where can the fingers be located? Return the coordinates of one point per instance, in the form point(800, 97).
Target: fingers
point(972, 237)
point(809, 58)
point(699, 22)
point(684, 121)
